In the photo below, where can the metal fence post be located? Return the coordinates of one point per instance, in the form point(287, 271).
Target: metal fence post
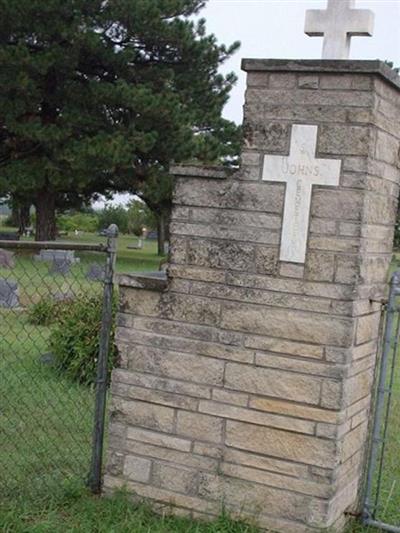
point(368, 512)
point(94, 479)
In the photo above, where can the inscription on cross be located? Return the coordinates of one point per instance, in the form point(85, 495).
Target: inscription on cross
point(300, 171)
point(337, 25)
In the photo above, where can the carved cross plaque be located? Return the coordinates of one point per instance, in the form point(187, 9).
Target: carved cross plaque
point(300, 171)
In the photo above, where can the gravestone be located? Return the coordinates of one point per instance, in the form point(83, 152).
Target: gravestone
point(8, 293)
point(246, 376)
point(57, 255)
point(96, 272)
point(60, 266)
point(9, 236)
point(6, 259)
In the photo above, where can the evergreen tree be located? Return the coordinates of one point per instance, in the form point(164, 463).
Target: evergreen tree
point(100, 96)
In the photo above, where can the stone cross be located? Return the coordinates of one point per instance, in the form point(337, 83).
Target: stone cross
point(337, 25)
point(300, 171)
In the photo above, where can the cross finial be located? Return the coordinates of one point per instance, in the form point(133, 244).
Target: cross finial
point(337, 24)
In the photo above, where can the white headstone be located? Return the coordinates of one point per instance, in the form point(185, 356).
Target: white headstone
point(300, 171)
point(337, 24)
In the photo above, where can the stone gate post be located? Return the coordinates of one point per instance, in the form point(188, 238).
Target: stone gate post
point(246, 374)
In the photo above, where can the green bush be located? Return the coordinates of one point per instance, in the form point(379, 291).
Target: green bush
point(43, 313)
point(87, 222)
point(74, 339)
point(113, 215)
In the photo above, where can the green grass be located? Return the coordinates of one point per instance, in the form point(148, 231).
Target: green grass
point(72, 509)
point(46, 421)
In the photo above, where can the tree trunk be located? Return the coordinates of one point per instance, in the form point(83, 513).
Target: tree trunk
point(14, 218)
point(24, 218)
point(161, 233)
point(45, 216)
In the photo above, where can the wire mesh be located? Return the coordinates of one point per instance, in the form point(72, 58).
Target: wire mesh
point(46, 419)
point(383, 492)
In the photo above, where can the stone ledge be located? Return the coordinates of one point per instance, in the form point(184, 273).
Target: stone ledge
point(194, 171)
point(338, 66)
point(151, 281)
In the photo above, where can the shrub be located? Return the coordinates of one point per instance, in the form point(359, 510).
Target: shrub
point(43, 313)
point(113, 215)
point(74, 339)
point(87, 222)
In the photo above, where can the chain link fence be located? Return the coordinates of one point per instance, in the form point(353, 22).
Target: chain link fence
point(55, 308)
point(382, 499)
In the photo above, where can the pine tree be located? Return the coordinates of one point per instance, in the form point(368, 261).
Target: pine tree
point(100, 96)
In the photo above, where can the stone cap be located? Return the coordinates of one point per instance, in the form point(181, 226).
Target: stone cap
point(194, 171)
point(342, 66)
point(151, 281)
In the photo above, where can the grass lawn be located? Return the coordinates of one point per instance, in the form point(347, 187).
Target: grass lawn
point(46, 421)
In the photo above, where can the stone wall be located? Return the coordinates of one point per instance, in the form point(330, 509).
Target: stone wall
point(246, 381)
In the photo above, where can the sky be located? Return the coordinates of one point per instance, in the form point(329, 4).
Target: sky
point(275, 29)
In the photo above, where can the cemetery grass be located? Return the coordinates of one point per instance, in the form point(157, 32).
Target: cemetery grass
point(39, 497)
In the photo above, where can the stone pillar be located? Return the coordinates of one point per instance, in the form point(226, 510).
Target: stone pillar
point(246, 381)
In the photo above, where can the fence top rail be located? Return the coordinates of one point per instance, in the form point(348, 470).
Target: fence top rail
point(52, 245)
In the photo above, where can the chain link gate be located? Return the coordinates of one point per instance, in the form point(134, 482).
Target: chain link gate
point(52, 426)
point(382, 495)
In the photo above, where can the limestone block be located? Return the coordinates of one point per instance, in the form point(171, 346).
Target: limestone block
point(137, 468)
point(323, 226)
point(265, 463)
point(199, 426)
point(281, 444)
point(282, 80)
point(290, 409)
point(159, 439)
point(344, 140)
point(320, 266)
point(284, 323)
point(115, 462)
point(143, 414)
point(312, 368)
point(262, 135)
point(308, 81)
point(284, 346)
point(337, 204)
point(257, 79)
point(267, 198)
point(147, 395)
point(255, 417)
point(315, 98)
point(161, 384)
point(387, 149)
point(177, 249)
point(169, 498)
point(274, 383)
point(347, 268)
point(332, 394)
point(175, 479)
point(367, 328)
point(215, 254)
point(358, 386)
point(231, 397)
point(227, 232)
point(140, 302)
point(253, 497)
point(176, 365)
point(266, 260)
point(291, 270)
point(300, 113)
point(322, 490)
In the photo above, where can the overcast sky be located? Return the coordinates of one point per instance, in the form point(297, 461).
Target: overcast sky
point(275, 29)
